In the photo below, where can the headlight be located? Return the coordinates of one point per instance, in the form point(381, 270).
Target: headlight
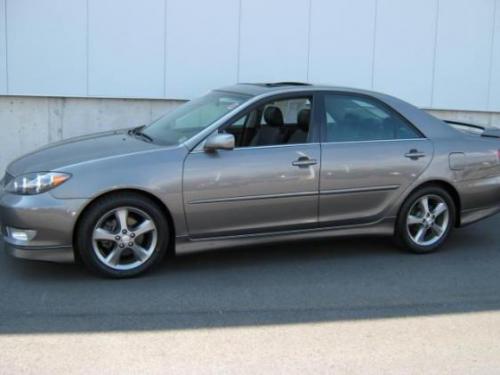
point(36, 183)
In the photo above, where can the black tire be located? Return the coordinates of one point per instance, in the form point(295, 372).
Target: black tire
point(402, 235)
point(99, 208)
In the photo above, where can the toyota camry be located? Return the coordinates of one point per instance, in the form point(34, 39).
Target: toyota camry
point(250, 164)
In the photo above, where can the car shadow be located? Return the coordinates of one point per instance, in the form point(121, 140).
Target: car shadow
point(287, 283)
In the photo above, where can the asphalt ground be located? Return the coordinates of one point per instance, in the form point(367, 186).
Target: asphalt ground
point(352, 305)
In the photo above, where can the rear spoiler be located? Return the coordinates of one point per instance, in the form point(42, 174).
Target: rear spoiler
point(483, 131)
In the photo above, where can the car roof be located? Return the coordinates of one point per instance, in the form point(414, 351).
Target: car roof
point(255, 89)
point(429, 125)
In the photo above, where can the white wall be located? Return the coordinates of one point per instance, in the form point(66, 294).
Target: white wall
point(27, 123)
point(46, 47)
point(3, 49)
point(202, 48)
point(464, 54)
point(442, 54)
point(403, 63)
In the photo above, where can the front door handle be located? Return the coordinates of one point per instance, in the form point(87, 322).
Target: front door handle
point(304, 161)
point(414, 154)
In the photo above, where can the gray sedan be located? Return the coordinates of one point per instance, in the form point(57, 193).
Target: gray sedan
point(245, 165)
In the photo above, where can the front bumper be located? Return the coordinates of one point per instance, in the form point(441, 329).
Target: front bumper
point(53, 220)
point(55, 254)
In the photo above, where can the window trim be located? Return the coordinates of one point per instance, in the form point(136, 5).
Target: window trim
point(322, 109)
point(314, 125)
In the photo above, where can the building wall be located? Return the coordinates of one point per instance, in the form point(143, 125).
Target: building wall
point(70, 67)
point(441, 54)
point(27, 123)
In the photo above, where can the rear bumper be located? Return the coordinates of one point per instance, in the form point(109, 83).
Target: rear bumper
point(48, 254)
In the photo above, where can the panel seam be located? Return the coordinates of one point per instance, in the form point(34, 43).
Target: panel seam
point(165, 8)
point(308, 62)
point(6, 50)
point(492, 45)
point(374, 43)
point(238, 49)
point(87, 42)
point(434, 54)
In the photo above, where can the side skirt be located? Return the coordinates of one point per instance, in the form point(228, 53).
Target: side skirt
point(468, 217)
point(185, 244)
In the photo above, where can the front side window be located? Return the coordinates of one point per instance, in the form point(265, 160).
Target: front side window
point(351, 118)
point(191, 118)
point(274, 123)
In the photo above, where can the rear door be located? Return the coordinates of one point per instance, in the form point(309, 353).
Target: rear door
point(370, 155)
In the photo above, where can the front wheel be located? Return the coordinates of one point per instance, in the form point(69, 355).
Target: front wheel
point(425, 220)
point(122, 235)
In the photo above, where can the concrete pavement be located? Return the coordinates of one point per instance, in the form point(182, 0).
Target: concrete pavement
point(338, 306)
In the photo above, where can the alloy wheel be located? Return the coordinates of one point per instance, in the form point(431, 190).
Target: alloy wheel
point(428, 220)
point(124, 238)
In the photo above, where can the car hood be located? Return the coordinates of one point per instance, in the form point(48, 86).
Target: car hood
point(77, 150)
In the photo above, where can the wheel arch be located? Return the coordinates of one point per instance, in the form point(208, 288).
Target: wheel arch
point(445, 185)
point(146, 194)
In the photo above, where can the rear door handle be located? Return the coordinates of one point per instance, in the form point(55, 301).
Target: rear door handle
point(415, 154)
point(304, 161)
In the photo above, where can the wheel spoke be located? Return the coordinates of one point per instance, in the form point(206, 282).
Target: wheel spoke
point(140, 253)
point(440, 209)
point(419, 237)
point(103, 235)
point(122, 216)
point(413, 220)
point(424, 202)
point(113, 259)
point(145, 227)
point(437, 229)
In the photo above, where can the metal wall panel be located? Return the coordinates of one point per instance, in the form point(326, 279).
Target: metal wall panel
point(494, 98)
point(46, 47)
point(463, 54)
point(202, 46)
point(273, 40)
point(404, 52)
point(126, 48)
point(442, 54)
point(342, 36)
point(3, 49)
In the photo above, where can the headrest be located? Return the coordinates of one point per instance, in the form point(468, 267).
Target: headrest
point(273, 116)
point(351, 117)
point(303, 118)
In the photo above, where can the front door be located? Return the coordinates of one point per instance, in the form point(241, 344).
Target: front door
point(370, 155)
point(269, 182)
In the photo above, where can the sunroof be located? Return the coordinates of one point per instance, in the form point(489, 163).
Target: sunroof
point(280, 84)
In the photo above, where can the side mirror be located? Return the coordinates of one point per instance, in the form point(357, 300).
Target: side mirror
point(223, 141)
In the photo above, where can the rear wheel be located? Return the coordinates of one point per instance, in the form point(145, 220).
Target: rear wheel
point(426, 220)
point(122, 235)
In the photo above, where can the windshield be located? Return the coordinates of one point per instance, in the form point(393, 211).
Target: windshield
point(191, 118)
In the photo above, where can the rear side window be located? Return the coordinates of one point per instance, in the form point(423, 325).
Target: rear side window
point(351, 118)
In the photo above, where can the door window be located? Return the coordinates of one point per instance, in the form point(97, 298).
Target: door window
point(351, 118)
point(274, 123)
